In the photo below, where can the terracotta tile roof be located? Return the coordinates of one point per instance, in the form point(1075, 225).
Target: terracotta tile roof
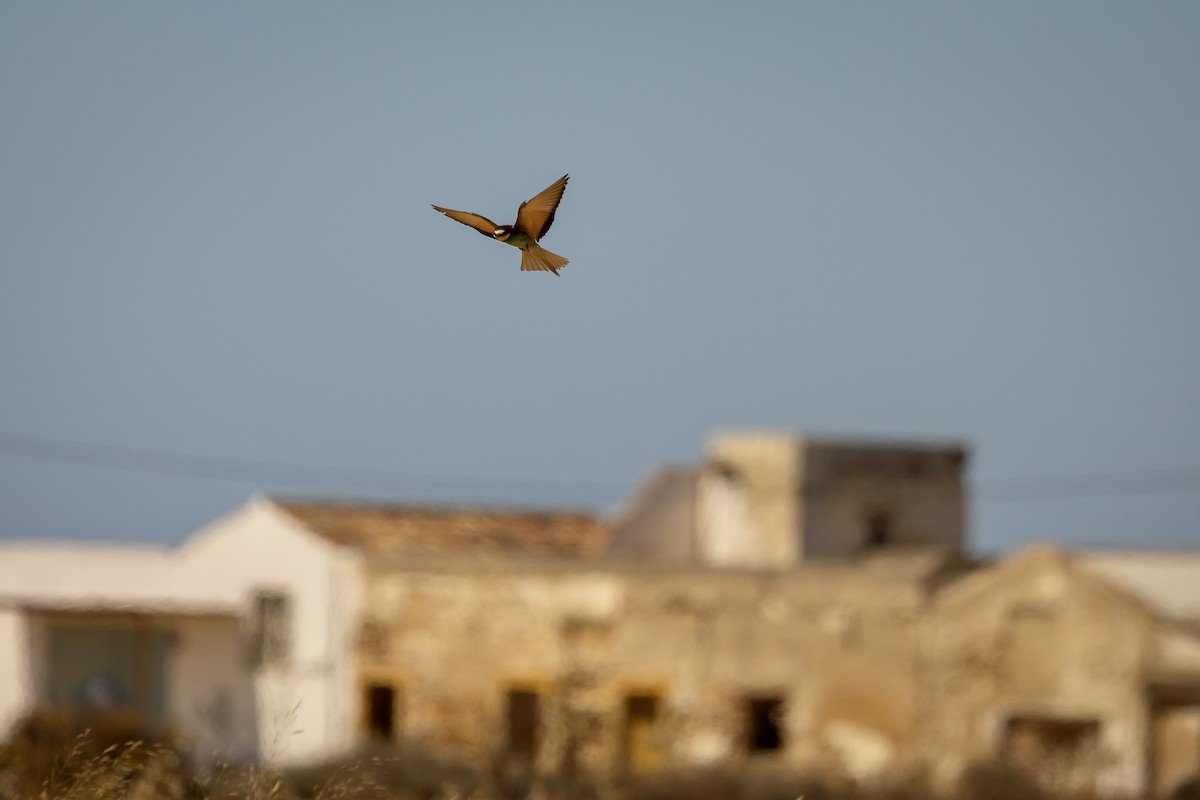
point(414, 530)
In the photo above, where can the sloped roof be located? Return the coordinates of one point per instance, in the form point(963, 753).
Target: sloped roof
point(1170, 581)
point(416, 530)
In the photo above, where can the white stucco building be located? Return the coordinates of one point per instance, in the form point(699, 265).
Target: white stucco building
point(242, 638)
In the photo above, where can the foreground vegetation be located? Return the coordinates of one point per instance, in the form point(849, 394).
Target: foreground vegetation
point(111, 757)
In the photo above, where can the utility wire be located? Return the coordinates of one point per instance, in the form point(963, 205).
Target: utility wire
point(244, 469)
point(1163, 481)
point(1160, 481)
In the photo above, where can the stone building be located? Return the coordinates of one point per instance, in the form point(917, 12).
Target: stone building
point(776, 502)
point(1084, 667)
point(789, 603)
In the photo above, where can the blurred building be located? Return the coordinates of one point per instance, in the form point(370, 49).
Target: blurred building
point(788, 603)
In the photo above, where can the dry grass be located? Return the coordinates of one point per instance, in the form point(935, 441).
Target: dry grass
point(109, 757)
point(55, 755)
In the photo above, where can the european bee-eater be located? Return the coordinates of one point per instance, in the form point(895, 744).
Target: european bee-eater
point(534, 219)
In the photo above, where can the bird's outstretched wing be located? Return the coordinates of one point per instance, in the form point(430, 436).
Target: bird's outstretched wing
point(481, 224)
point(535, 216)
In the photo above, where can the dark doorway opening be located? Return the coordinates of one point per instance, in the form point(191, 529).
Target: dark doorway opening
point(381, 712)
point(764, 724)
point(524, 719)
point(879, 529)
point(641, 747)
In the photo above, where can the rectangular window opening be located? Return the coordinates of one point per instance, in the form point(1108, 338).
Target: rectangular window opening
point(524, 720)
point(879, 529)
point(108, 664)
point(272, 628)
point(764, 724)
point(641, 742)
point(1063, 752)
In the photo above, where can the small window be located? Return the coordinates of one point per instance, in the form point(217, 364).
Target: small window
point(1063, 752)
point(727, 473)
point(641, 742)
point(381, 708)
point(524, 719)
point(879, 529)
point(272, 629)
point(764, 724)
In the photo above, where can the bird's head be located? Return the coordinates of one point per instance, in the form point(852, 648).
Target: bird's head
point(502, 233)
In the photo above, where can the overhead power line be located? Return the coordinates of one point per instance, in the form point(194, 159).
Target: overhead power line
point(246, 469)
point(1160, 481)
point(1112, 484)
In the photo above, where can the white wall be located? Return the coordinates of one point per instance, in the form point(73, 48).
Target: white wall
point(306, 708)
point(204, 590)
point(211, 691)
point(15, 689)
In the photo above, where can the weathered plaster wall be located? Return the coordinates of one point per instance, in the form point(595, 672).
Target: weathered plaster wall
point(838, 646)
point(917, 493)
point(747, 502)
point(774, 500)
point(15, 668)
point(1034, 638)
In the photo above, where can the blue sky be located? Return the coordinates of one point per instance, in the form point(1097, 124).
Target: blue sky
point(219, 271)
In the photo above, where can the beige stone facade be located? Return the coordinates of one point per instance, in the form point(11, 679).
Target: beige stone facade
point(796, 668)
point(772, 501)
point(789, 604)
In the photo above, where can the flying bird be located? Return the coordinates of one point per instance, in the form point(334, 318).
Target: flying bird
point(534, 218)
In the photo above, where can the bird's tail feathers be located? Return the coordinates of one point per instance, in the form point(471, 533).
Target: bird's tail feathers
point(537, 258)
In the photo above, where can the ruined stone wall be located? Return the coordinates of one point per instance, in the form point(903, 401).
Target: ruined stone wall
point(903, 495)
point(748, 501)
point(1030, 655)
point(860, 667)
point(773, 500)
point(836, 648)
